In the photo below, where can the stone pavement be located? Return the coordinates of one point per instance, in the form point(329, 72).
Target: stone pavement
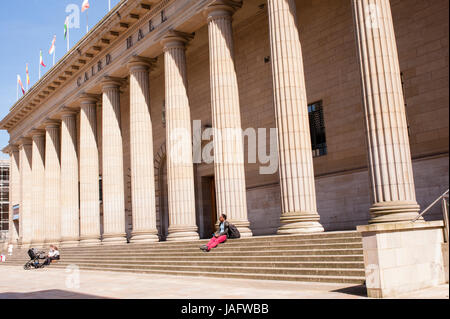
point(16, 283)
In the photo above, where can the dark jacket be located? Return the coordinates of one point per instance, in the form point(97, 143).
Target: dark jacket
point(225, 229)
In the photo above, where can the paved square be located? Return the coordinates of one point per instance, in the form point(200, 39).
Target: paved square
point(16, 283)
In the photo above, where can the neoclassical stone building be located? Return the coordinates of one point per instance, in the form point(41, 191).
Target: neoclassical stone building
point(357, 89)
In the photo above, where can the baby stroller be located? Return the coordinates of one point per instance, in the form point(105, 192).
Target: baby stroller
point(35, 255)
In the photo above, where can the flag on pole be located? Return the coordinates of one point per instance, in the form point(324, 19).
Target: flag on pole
point(66, 27)
point(52, 48)
point(85, 5)
point(41, 60)
point(28, 77)
point(19, 81)
point(66, 32)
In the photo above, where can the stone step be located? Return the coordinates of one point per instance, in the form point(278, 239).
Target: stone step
point(209, 263)
point(223, 247)
point(218, 253)
point(259, 239)
point(229, 243)
point(293, 258)
point(231, 269)
point(359, 280)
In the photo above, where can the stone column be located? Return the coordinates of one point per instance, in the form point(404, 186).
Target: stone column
point(38, 186)
point(298, 193)
point(180, 169)
point(14, 191)
point(228, 144)
point(141, 149)
point(389, 157)
point(70, 234)
point(52, 183)
point(25, 213)
point(112, 163)
point(89, 173)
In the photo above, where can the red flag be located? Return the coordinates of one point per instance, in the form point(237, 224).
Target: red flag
point(19, 81)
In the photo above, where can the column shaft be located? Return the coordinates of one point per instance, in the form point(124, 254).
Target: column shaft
point(38, 186)
point(25, 214)
point(89, 174)
point(389, 156)
point(141, 148)
point(14, 192)
point(298, 194)
point(70, 235)
point(112, 164)
point(52, 184)
point(180, 169)
point(228, 145)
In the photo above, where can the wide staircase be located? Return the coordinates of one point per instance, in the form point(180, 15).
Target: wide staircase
point(335, 257)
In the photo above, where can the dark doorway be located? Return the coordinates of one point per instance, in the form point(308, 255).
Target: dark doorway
point(209, 207)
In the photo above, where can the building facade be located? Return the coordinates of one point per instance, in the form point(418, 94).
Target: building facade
point(4, 199)
point(114, 143)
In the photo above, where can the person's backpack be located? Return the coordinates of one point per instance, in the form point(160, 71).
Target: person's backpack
point(233, 232)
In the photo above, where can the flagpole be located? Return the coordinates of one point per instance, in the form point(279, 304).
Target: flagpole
point(54, 53)
point(87, 21)
point(109, 5)
point(68, 35)
point(17, 88)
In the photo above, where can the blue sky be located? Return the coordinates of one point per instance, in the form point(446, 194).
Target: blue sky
point(28, 26)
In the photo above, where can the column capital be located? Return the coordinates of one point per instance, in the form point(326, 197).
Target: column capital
point(11, 148)
point(86, 98)
point(35, 133)
point(175, 39)
point(140, 63)
point(66, 111)
point(109, 82)
point(24, 141)
point(49, 124)
point(222, 8)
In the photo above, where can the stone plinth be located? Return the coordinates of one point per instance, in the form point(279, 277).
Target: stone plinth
point(402, 257)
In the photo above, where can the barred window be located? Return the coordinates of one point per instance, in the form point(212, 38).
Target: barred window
point(317, 128)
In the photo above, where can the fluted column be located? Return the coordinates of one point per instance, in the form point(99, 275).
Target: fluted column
point(70, 234)
point(389, 156)
point(14, 191)
point(25, 210)
point(141, 148)
point(112, 163)
point(298, 193)
point(180, 169)
point(52, 213)
point(228, 145)
point(38, 186)
point(89, 173)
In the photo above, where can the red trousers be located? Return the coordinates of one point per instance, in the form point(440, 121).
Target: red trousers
point(216, 241)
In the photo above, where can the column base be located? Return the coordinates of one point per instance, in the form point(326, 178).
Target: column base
point(70, 242)
point(38, 245)
point(90, 242)
point(299, 223)
point(183, 233)
point(114, 239)
point(243, 227)
point(144, 237)
point(394, 212)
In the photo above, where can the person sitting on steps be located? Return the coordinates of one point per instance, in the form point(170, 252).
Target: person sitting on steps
point(220, 236)
point(53, 254)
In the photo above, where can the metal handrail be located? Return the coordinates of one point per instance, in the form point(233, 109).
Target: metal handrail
point(442, 198)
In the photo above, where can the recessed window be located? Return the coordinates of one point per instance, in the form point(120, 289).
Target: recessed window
point(317, 128)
